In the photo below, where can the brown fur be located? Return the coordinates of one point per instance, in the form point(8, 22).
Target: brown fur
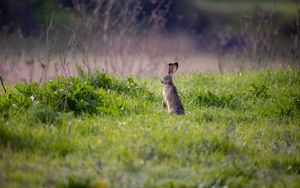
point(171, 98)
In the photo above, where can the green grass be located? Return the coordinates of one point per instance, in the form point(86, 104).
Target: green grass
point(240, 130)
point(286, 9)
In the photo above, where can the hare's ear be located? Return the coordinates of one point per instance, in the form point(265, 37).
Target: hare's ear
point(173, 67)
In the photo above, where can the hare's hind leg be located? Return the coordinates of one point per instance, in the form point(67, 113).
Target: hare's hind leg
point(164, 104)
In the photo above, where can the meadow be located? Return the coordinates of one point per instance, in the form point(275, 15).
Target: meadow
point(98, 130)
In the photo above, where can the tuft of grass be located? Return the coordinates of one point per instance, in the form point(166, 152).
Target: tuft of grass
point(75, 183)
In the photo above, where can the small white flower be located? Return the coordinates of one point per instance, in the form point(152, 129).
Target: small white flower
point(122, 123)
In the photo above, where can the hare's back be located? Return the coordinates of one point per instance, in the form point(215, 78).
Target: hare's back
point(172, 98)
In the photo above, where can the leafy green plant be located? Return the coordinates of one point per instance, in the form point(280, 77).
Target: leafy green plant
point(13, 103)
point(94, 93)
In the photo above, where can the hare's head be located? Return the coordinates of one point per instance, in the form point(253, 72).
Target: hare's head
point(167, 79)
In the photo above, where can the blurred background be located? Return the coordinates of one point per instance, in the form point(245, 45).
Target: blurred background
point(42, 39)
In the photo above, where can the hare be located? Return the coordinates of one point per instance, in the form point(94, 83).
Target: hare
point(171, 98)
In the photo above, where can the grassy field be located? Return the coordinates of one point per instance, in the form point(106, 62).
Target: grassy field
point(240, 130)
